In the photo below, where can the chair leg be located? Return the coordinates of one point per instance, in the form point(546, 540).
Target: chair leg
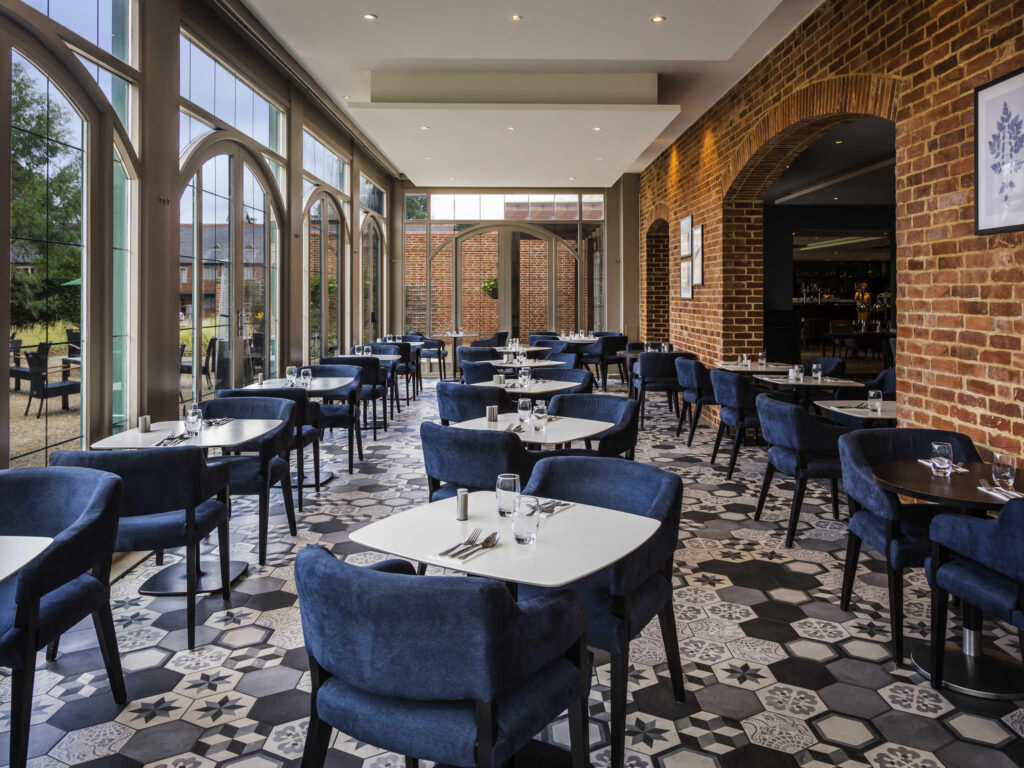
point(52, 649)
point(224, 550)
point(620, 667)
point(412, 762)
point(318, 734)
point(895, 577)
point(834, 483)
point(940, 608)
point(263, 521)
point(849, 570)
point(374, 408)
point(316, 463)
point(794, 512)
point(718, 441)
point(359, 441)
point(22, 681)
point(679, 424)
point(769, 472)
point(191, 579)
point(351, 438)
point(300, 475)
point(694, 421)
point(667, 620)
point(289, 504)
point(737, 441)
point(643, 406)
point(579, 736)
point(103, 621)
point(28, 405)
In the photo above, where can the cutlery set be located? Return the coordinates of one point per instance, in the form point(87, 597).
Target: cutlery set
point(173, 440)
point(470, 546)
point(1001, 493)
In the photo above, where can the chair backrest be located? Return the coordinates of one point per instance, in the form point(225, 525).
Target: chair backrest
point(613, 344)
point(153, 481)
point(693, 374)
point(404, 351)
point(602, 334)
point(462, 402)
point(37, 363)
point(659, 365)
point(446, 639)
point(732, 390)
point(538, 335)
point(474, 354)
point(74, 341)
point(555, 345)
point(623, 412)
point(863, 449)
point(76, 507)
point(474, 372)
point(15, 348)
point(471, 458)
point(272, 444)
point(413, 336)
point(373, 372)
point(211, 351)
point(432, 344)
point(634, 346)
point(583, 379)
point(298, 395)
point(884, 381)
point(350, 391)
point(571, 359)
point(789, 425)
point(830, 366)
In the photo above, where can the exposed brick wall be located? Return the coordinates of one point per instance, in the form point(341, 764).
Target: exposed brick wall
point(654, 277)
point(959, 296)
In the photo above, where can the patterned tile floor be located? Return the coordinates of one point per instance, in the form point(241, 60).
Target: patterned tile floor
point(776, 674)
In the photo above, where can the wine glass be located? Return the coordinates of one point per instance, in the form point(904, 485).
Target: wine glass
point(1004, 470)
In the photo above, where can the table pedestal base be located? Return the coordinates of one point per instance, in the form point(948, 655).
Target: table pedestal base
point(171, 580)
point(987, 675)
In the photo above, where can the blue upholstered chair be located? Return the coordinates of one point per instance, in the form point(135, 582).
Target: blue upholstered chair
point(896, 530)
point(698, 391)
point(469, 458)
point(435, 668)
point(602, 353)
point(800, 446)
point(884, 381)
point(584, 380)
point(374, 386)
point(77, 508)
point(535, 337)
point(390, 368)
point(462, 402)
point(499, 339)
point(170, 498)
point(435, 349)
point(405, 366)
point(738, 411)
point(620, 411)
point(475, 354)
point(552, 343)
point(569, 359)
point(623, 598)
point(830, 366)
point(474, 372)
point(981, 562)
point(341, 408)
point(263, 463)
point(656, 372)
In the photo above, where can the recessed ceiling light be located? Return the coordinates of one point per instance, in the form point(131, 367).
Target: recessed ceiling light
point(835, 198)
point(515, 17)
point(599, 158)
point(369, 16)
point(657, 19)
point(427, 157)
point(597, 127)
point(424, 127)
point(572, 178)
point(451, 178)
point(839, 141)
point(347, 97)
point(511, 128)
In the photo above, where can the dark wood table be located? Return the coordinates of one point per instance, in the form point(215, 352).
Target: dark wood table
point(969, 668)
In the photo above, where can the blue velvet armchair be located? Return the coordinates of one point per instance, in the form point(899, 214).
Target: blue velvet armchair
point(980, 561)
point(170, 498)
point(584, 380)
point(885, 382)
point(499, 339)
point(474, 372)
point(620, 411)
point(374, 386)
point(737, 398)
point(800, 446)
point(602, 353)
point(698, 391)
point(462, 402)
point(896, 530)
point(569, 359)
point(450, 670)
point(78, 509)
point(535, 337)
point(435, 349)
point(656, 372)
point(553, 343)
point(623, 598)
point(390, 368)
point(341, 408)
point(267, 465)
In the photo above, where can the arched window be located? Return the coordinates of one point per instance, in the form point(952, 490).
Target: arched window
point(372, 252)
point(325, 246)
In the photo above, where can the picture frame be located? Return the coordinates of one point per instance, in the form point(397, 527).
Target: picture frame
point(685, 232)
point(686, 278)
point(698, 255)
point(999, 155)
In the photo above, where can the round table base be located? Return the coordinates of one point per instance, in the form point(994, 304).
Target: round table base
point(309, 481)
point(171, 580)
point(987, 676)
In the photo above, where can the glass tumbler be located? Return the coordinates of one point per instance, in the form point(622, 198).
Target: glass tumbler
point(526, 519)
point(1004, 470)
point(193, 421)
point(875, 400)
point(942, 459)
point(540, 417)
point(816, 370)
point(289, 374)
point(523, 408)
point(306, 377)
point(506, 489)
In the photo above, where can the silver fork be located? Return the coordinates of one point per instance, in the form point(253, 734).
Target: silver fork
point(473, 536)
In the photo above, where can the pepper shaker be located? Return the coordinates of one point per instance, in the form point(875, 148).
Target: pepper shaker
point(462, 504)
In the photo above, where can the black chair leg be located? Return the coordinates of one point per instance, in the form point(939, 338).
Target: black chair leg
point(289, 504)
point(834, 483)
point(693, 423)
point(359, 441)
point(737, 441)
point(412, 762)
point(769, 472)
point(191, 579)
point(224, 550)
point(28, 405)
point(620, 668)
point(895, 577)
point(374, 409)
point(667, 620)
point(643, 406)
point(318, 734)
point(22, 681)
point(718, 441)
point(52, 649)
point(849, 570)
point(316, 463)
point(940, 608)
point(263, 522)
point(351, 438)
point(794, 512)
point(300, 475)
point(103, 622)
point(679, 424)
point(579, 736)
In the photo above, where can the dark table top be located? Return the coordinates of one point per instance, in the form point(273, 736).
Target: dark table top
point(913, 479)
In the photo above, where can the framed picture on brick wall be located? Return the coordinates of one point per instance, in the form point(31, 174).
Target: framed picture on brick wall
point(999, 155)
point(698, 255)
point(686, 279)
point(685, 233)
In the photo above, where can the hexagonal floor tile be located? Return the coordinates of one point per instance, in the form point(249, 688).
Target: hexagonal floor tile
point(154, 710)
point(711, 733)
point(792, 700)
point(846, 731)
point(916, 699)
point(979, 729)
point(779, 732)
point(219, 708)
point(744, 674)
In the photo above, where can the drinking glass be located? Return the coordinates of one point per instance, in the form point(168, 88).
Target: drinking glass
point(524, 377)
point(762, 359)
point(540, 417)
point(792, 373)
point(942, 459)
point(799, 372)
point(289, 374)
point(1004, 470)
point(193, 421)
point(664, 347)
point(306, 376)
point(875, 400)
point(745, 360)
point(526, 519)
point(506, 489)
point(816, 370)
point(357, 349)
point(524, 408)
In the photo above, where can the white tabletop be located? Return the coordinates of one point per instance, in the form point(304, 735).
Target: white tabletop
point(385, 358)
point(571, 544)
point(858, 408)
point(454, 335)
point(522, 349)
point(572, 340)
point(526, 363)
point(414, 343)
point(559, 430)
point(754, 368)
point(536, 386)
point(18, 551)
point(318, 384)
point(235, 432)
point(809, 381)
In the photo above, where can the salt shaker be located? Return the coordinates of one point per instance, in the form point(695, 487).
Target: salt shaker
point(492, 413)
point(462, 504)
point(144, 423)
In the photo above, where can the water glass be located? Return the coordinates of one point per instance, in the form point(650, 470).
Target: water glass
point(942, 459)
point(1004, 470)
point(762, 359)
point(289, 374)
point(792, 373)
point(526, 519)
point(540, 417)
point(193, 421)
point(875, 400)
point(357, 349)
point(306, 377)
point(664, 347)
point(524, 408)
point(506, 489)
point(745, 360)
point(799, 370)
point(816, 371)
point(524, 377)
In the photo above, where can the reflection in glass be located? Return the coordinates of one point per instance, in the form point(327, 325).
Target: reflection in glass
point(215, 287)
point(314, 236)
point(121, 296)
point(372, 255)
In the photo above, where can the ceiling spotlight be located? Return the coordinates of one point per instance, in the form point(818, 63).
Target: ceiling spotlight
point(515, 17)
point(427, 157)
point(572, 178)
point(599, 159)
point(839, 141)
point(597, 127)
point(835, 198)
point(369, 16)
point(657, 19)
point(451, 178)
point(346, 97)
point(424, 127)
point(511, 128)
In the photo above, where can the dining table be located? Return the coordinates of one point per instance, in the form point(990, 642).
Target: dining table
point(18, 551)
point(755, 368)
point(558, 430)
point(536, 389)
point(858, 409)
point(807, 382)
point(528, 363)
point(969, 667)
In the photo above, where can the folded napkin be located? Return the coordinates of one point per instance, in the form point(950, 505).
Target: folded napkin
point(1001, 493)
point(956, 467)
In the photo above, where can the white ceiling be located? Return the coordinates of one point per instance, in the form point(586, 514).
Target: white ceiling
point(698, 52)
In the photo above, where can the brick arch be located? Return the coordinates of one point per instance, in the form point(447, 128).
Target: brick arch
point(789, 128)
point(654, 277)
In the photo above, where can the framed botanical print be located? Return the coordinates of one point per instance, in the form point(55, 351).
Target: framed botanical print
point(686, 279)
point(698, 255)
point(685, 231)
point(999, 155)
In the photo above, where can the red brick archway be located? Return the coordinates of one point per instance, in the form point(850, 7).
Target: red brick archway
point(769, 147)
point(654, 319)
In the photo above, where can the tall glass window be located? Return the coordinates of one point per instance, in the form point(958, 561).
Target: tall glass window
point(121, 304)
point(104, 23)
point(325, 237)
point(371, 196)
point(319, 161)
point(314, 272)
point(215, 250)
point(372, 283)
